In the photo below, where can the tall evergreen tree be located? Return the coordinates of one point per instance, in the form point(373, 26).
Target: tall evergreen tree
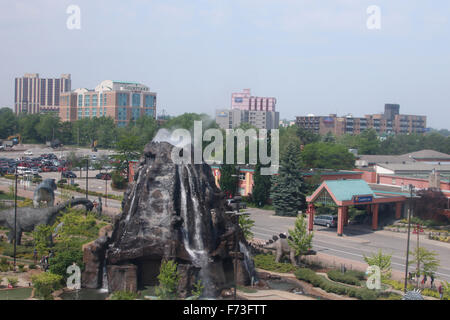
point(261, 187)
point(288, 187)
point(228, 179)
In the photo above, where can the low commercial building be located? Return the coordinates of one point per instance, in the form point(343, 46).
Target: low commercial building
point(120, 100)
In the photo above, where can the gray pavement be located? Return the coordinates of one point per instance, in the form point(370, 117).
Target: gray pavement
point(356, 242)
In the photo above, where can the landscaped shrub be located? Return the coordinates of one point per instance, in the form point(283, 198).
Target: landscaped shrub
point(124, 295)
point(118, 181)
point(318, 281)
point(347, 278)
point(21, 251)
point(13, 281)
point(36, 180)
point(356, 274)
point(168, 280)
point(32, 266)
point(45, 283)
point(267, 262)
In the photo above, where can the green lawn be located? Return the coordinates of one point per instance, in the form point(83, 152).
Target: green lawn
point(15, 294)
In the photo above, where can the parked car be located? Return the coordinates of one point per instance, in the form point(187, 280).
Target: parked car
point(103, 176)
point(68, 174)
point(326, 220)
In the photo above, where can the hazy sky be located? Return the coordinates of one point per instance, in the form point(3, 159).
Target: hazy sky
point(313, 56)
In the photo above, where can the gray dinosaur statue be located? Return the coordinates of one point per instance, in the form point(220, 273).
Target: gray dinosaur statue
point(29, 218)
point(281, 245)
point(45, 191)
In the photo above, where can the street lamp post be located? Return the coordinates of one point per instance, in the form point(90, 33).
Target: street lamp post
point(411, 187)
point(87, 175)
point(106, 189)
point(15, 218)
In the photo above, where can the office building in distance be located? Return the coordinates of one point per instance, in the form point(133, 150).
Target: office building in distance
point(35, 95)
point(122, 101)
point(245, 108)
point(389, 123)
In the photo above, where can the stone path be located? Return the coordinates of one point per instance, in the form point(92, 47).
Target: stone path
point(272, 295)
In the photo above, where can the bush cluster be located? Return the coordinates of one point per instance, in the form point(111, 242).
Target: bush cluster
point(123, 295)
point(348, 277)
point(76, 188)
point(267, 262)
point(318, 281)
point(397, 285)
point(45, 283)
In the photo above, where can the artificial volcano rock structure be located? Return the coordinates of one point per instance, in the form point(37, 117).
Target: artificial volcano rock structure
point(171, 211)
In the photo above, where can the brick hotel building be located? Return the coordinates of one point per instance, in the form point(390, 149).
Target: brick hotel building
point(120, 100)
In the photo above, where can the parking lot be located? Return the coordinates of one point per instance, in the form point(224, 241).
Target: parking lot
point(45, 162)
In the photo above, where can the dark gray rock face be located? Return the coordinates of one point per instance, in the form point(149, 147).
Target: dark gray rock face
point(175, 212)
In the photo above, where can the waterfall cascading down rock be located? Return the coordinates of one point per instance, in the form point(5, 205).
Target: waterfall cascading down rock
point(170, 212)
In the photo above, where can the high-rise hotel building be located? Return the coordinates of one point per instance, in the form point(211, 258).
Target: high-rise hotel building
point(120, 100)
point(34, 95)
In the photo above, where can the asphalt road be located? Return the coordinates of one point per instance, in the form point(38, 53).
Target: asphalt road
point(356, 242)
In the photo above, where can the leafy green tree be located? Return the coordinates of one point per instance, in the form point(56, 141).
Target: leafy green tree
point(288, 187)
point(368, 142)
point(8, 123)
point(128, 148)
point(426, 261)
point(323, 155)
point(42, 236)
point(48, 126)
point(27, 127)
point(65, 133)
point(307, 136)
point(301, 238)
point(383, 261)
point(168, 280)
point(329, 138)
point(246, 224)
point(65, 255)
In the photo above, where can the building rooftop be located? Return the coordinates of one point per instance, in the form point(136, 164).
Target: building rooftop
point(344, 190)
point(415, 166)
point(411, 157)
point(428, 154)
